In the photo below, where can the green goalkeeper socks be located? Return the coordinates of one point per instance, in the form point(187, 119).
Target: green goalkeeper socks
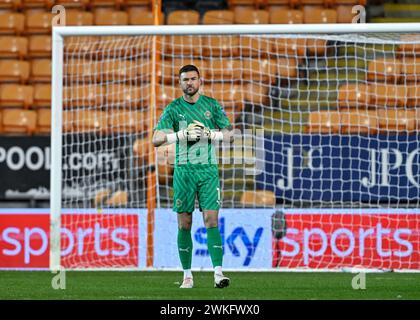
point(214, 244)
point(185, 246)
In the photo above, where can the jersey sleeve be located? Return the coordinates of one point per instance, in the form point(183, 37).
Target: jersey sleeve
point(165, 121)
point(220, 117)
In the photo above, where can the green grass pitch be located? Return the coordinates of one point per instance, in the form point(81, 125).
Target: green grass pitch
point(158, 285)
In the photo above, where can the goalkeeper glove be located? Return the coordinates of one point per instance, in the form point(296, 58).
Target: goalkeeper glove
point(209, 134)
point(192, 133)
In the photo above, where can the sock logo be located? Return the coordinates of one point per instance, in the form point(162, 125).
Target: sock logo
point(220, 247)
point(184, 249)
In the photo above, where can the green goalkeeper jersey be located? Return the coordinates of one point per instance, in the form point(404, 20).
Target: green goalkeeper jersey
point(178, 115)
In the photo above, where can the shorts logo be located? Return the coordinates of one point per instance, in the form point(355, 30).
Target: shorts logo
point(207, 114)
point(178, 203)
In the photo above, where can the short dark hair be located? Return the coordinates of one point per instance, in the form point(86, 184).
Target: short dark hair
point(187, 68)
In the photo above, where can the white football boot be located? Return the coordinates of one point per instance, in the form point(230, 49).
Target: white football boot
point(220, 281)
point(188, 283)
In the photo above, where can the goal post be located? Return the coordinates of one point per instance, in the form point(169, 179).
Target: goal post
point(106, 96)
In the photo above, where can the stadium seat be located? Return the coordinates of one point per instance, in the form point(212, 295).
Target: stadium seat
point(38, 22)
point(312, 2)
point(42, 95)
point(388, 95)
point(319, 15)
point(218, 17)
point(289, 46)
point(410, 69)
point(13, 47)
point(127, 121)
point(14, 71)
point(166, 94)
point(224, 70)
point(359, 122)
point(181, 45)
point(35, 4)
point(12, 23)
point(354, 96)
point(141, 149)
point(118, 199)
point(14, 95)
point(142, 3)
point(250, 16)
point(83, 95)
point(89, 121)
point(80, 47)
point(110, 18)
point(142, 16)
point(68, 121)
point(267, 70)
point(258, 198)
point(388, 70)
point(79, 4)
point(397, 120)
point(39, 46)
point(100, 197)
point(10, 4)
point(113, 70)
point(82, 70)
point(106, 3)
point(43, 121)
point(281, 15)
point(19, 121)
point(40, 70)
point(257, 94)
point(254, 46)
point(119, 95)
point(221, 46)
point(183, 17)
point(323, 122)
point(79, 18)
point(344, 14)
point(229, 95)
point(277, 3)
point(165, 161)
point(413, 97)
point(410, 45)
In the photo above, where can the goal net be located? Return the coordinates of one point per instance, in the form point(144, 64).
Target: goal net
point(327, 131)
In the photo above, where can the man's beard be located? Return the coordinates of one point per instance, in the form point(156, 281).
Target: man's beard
point(190, 93)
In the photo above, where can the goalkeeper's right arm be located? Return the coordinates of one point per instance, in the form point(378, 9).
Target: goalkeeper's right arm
point(191, 133)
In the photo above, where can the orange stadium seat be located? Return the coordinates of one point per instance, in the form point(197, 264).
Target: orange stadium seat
point(42, 95)
point(118, 70)
point(410, 45)
point(118, 199)
point(79, 18)
point(180, 45)
point(354, 96)
point(89, 121)
point(289, 46)
point(43, 125)
point(413, 97)
point(388, 70)
point(323, 122)
point(312, 2)
point(143, 3)
point(223, 70)
point(126, 96)
point(40, 70)
point(10, 4)
point(83, 4)
point(257, 93)
point(410, 69)
point(280, 15)
point(267, 70)
point(142, 16)
point(39, 46)
point(319, 15)
point(14, 71)
point(76, 96)
point(68, 121)
point(106, 3)
point(80, 47)
point(1, 123)
point(183, 17)
point(229, 95)
point(218, 17)
point(389, 95)
point(397, 120)
point(12, 23)
point(38, 22)
point(127, 121)
point(76, 70)
point(344, 14)
point(274, 3)
point(141, 150)
point(250, 16)
point(13, 47)
point(359, 122)
point(29, 4)
point(252, 46)
point(14, 95)
point(110, 18)
point(166, 94)
point(19, 121)
point(258, 198)
point(223, 46)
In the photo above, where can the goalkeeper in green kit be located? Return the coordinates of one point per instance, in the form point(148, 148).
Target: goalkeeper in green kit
point(193, 122)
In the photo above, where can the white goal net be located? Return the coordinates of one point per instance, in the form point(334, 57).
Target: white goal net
point(323, 121)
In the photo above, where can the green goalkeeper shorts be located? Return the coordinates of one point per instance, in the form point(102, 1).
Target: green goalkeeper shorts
point(203, 183)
